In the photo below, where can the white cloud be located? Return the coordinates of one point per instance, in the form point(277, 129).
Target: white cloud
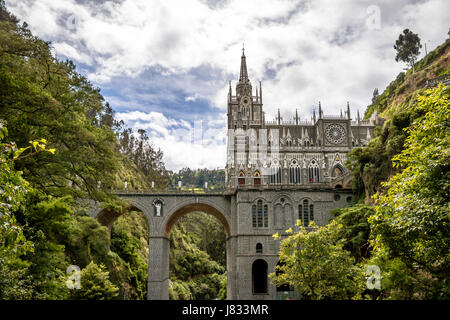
point(192, 98)
point(197, 145)
point(317, 50)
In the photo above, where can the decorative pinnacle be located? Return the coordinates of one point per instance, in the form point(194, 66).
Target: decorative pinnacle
point(243, 77)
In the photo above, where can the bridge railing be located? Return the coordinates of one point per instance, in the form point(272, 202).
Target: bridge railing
point(445, 79)
point(153, 191)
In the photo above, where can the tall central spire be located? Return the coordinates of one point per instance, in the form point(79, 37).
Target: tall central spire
point(243, 87)
point(243, 77)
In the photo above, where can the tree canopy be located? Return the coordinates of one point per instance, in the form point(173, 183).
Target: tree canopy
point(407, 47)
point(413, 211)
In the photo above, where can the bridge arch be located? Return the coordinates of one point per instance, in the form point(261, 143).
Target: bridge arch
point(188, 207)
point(107, 216)
point(175, 207)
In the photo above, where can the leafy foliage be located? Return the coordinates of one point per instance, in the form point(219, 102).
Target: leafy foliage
point(144, 155)
point(95, 284)
point(193, 274)
point(129, 240)
point(209, 234)
point(42, 97)
point(197, 178)
point(412, 214)
point(43, 227)
point(14, 280)
point(317, 266)
point(355, 229)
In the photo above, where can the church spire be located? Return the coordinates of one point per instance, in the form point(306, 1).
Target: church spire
point(348, 110)
point(243, 77)
point(260, 92)
point(320, 111)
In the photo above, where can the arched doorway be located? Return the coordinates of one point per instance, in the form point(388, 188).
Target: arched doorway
point(259, 276)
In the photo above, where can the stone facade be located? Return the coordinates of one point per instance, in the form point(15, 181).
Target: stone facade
point(292, 152)
point(277, 173)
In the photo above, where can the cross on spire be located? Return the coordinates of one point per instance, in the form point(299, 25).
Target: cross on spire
point(243, 77)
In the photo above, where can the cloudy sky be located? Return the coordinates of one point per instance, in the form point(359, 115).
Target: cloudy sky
point(164, 66)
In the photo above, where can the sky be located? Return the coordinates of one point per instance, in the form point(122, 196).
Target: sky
point(164, 66)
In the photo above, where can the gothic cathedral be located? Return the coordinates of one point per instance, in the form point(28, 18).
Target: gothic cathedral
point(278, 172)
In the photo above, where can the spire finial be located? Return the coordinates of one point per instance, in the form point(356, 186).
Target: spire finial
point(320, 111)
point(243, 77)
point(348, 110)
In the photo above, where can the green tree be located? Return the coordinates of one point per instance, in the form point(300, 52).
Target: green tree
point(95, 284)
point(411, 223)
point(193, 274)
point(19, 278)
point(375, 95)
point(42, 97)
point(317, 266)
point(355, 229)
point(15, 282)
point(129, 240)
point(407, 46)
point(144, 155)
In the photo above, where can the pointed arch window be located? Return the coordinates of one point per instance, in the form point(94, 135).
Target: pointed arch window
point(256, 179)
point(294, 172)
point(306, 212)
point(337, 171)
point(275, 175)
point(241, 178)
point(260, 215)
point(313, 171)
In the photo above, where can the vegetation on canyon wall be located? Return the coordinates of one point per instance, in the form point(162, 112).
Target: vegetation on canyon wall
point(397, 236)
point(60, 144)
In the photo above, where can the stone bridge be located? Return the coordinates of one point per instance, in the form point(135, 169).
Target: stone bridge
point(162, 211)
point(250, 218)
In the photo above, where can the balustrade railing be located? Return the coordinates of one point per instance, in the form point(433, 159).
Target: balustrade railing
point(167, 191)
point(445, 79)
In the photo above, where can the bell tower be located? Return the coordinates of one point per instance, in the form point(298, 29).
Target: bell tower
point(244, 108)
